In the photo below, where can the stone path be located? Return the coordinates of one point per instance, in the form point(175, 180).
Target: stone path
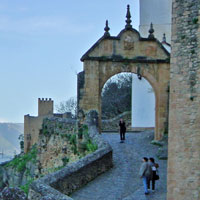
point(122, 181)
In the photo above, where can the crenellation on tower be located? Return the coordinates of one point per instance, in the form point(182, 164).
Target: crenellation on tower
point(45, 106)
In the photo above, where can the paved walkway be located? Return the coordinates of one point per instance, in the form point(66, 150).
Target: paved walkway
point(122, 181)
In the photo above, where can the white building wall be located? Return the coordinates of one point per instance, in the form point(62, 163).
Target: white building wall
point(159, 13)
point(143, 103)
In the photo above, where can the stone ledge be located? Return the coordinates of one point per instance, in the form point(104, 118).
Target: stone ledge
point(75, 175)
point(139, 59)
point(40, 190)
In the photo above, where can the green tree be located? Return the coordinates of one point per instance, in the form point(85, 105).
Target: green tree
point(116, 95)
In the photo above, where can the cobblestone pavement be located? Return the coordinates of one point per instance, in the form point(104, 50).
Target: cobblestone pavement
point(122, 181)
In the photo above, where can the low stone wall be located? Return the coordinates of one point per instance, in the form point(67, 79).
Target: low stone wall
point(113, 124)
point(75, 175)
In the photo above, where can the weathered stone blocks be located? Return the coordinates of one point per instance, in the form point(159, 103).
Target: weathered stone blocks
point(184, 128)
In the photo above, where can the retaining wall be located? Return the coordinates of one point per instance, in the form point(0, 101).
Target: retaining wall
point(75, 175)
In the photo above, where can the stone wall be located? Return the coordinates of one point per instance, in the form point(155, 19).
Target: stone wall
point(113, 124)
point(32, 126)
point(184, 115)
point(80, 86)
point(63, 182)
point(55, 145)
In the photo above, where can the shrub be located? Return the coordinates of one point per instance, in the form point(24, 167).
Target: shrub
point(74, 149)
point(80, 133)
point(195, 20)
point(72, 139)
point(60, 126)
point(25, 187)
point(85, 128)
point(45, 132)
point(65, 160)
point(91, 147)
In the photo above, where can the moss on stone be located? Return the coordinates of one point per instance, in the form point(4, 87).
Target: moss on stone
point(26, 186)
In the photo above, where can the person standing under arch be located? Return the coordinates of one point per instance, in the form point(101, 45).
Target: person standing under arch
point(122, 130)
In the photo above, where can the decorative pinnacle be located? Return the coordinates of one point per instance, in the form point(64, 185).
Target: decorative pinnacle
point(164, 38)
point(151, 31)
point(128, 18)
point(106, 29)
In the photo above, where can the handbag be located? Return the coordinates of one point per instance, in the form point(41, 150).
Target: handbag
point(157, 177)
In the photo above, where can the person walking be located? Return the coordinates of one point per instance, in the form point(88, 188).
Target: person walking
point(154, 174)
point(122, 130)
point(145, 173)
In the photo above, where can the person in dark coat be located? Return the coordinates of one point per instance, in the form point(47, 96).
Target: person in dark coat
point(122, 126)
point(154, 172)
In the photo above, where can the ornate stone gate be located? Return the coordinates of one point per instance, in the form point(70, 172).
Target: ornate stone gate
point(127, 52)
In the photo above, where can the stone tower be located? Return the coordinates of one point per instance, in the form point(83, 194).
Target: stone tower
point(157, 12)
point(184, 115)
point(45, 106)
point(33, 124)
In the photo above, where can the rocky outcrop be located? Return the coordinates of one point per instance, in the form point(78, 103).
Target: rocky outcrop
point(20, 170)
point(73, 176)
point(60, 143)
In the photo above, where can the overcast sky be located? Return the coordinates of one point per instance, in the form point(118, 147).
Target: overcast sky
point(41, 43)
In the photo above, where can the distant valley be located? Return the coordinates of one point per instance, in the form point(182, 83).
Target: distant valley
point(9, 133)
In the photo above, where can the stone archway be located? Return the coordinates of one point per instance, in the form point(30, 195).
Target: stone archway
point(128, 52)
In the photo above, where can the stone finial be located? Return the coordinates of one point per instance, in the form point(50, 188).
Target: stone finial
point(106, 29)
point(151, 31)
point(164, 38)
point(128, 18)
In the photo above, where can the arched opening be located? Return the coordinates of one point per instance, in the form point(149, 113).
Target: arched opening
point(126, 96)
